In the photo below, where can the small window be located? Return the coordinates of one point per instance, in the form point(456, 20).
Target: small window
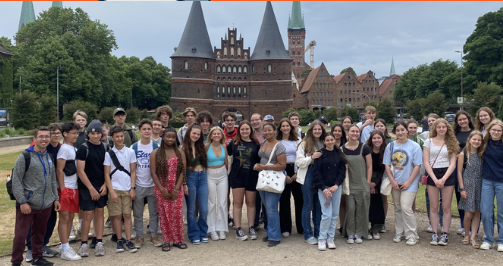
point(234, 90)
point(239, 90)
point(224, 69)
point(232, 52)
point(218, 89)
point(240, 69)
point(205, 65)
point(228, 89)
point(218, 54)
point(186, 65)
point(269, 68)
point(229, 69)
point(219, 69)
point(245, 69)
point(235, 70)
point(244, 90)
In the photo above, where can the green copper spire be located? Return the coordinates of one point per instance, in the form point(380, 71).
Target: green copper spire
point(57, 3)
point(392, 71)
point(27, 14)
point(296, 21)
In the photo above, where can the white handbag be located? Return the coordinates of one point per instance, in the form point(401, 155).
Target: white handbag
point(270, 180)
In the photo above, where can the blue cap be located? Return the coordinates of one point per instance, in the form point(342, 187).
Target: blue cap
point(269, 117)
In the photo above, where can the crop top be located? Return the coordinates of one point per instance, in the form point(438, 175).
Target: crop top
point(212, 158)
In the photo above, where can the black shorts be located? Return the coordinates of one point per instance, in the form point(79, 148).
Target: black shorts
point(439, 173)
point(86, 203)
point(249, 184)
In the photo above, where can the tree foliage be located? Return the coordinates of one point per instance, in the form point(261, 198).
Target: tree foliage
point(330, 114)
point(287, 112)
point(90, 109)
point(435, 103)
point(488, 95)
point(415, 107)
point(47, 113)
point(24, 113)
point(107, 113)
point(386, 110)
point(344, 71)
point(350, 111)
point(306, 116)
point(6, 74)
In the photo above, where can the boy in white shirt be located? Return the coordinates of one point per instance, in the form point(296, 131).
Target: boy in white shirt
point(156, 130)
point(368, 126)
point(68, 190)
point(145, 185)
point(120, 177)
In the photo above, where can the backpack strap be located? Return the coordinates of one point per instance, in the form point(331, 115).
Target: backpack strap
point(117, 164)
point(27, 160)
point(130, 132)
point(154, 145)
point(135, 149)
point(87, 148)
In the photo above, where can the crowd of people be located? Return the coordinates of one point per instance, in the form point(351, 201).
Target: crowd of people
point(344, 173)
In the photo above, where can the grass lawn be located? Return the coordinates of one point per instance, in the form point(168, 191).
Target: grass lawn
point(7, 206)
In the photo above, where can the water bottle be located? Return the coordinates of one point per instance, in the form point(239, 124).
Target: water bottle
point(8, 178)
point(328, 200)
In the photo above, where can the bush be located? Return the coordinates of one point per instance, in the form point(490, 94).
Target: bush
point(47, 111)
point(107, 113)
point(306, 116)
point(178, 117)
point(331, 114)
point(25, 111)
point(386, 111)
point(287, 112)
point(90, 109)
point(133, 116)
point(350, 111)
point(177, 124)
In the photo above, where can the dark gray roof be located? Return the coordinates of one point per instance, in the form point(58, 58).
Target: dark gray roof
point(5, 51)
point(195, 41)
point(269, 42)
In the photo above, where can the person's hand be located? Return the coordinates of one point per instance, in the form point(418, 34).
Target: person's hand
point(316, 155)
point(25, 208)
point(186, 190)
point(165, 194)
point(406, 185)
point(369, 121)
point(113, 196)
point(259, 167)
point(57, 206)
point(103, 190)
point(464, 195)
point(94, 194)
point(372, 185)
point(294, 177)
point(288, 180)
point(440, 183)
point(174, 195)
point(333, 188)
point(132, 194)
point(394, 184)
point(326, 193)
point(372, 190)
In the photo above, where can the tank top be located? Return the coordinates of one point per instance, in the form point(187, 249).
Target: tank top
point(213, 160)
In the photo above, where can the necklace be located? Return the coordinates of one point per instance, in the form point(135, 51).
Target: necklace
point(497, 143)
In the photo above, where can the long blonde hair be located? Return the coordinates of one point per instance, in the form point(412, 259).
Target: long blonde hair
point(309, 140)
point(468, 147)
point(478, 124)
point(487, 138)
point(210, 141)
point(451, 142)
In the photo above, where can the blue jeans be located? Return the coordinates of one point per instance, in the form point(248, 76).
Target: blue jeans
point(329, 214)
point(271, 202)
point(198, 188)
point(491, 189)
point(440, 210)
point(310, 200)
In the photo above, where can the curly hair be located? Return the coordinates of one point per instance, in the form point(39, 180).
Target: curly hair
point(238, 139)
point(200, 155)
point(310, 141)
point(161, 162)
point(450, 139)
point(487, 138)
point(381, 148)
point(456, 126)
point(479, 125)
point(164, 109)
point(293, 136)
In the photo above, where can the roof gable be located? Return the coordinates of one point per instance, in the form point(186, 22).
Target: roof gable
point(310, 79)
point(339, 77)
point(384, 86)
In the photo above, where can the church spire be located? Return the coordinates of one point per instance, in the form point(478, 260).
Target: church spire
point(392, 71)
point(195, 41)
point(296, 21)
point(57, 3)
point(27, 14)
point(269, 42)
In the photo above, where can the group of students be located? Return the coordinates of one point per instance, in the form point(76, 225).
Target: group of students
point(346, 172)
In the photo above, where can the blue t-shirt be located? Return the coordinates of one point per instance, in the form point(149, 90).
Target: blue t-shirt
point(405, 157)
point(365, 135)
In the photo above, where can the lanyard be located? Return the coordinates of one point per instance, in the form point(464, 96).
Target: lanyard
point(43, 164)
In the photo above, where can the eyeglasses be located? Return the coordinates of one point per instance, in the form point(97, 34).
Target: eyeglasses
point(496, 131)
point(44, 137)
point(55, 133)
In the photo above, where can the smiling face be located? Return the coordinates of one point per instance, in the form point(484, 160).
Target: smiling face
point(156, 127)
point(245, 131)
point(317, 131)
point(268, 132)
point(94, 137)
point(169, 138)
point(42, 139)
point(146, 131)
point(495, 132)
point(55, 137)
point(285, 128)
point(255, 121)
point(463, 121)
point(205, 125)
point(377, 140)
point(71, 137)
point(118, 138)
point(484, 117)
point(337, 132)
point(401, 133)
point(354, 133)
point(380, 126)
point(412, 127)
point(195, 134)
point(295, 121)
point(329, 142)
point(216, 135)
point(475, 141)
point(441, 129)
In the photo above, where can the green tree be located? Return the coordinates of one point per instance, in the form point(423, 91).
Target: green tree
point(500, 110)
point(386, 110)
point(108, 114)
point(306, 116)
point(25, 112)
point(415, 108)
point(485, 94)
point(287, 112)
point(89, 108)
point(133, 115)
point(435, 103)
point(483, 50)
point(6, 74)
point(350, 111)
point(371, 103)
point(47, 110)
point(330, 114)
point(344, 71)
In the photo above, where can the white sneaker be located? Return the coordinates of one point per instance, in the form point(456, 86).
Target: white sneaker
point(430, 229)
point(285, 234)
point(485, 246)
point(322, 244)
point(369, 236)
point(500, 247)
point(159, 232)
point(330, 243)
point(376, 236)
point(358, 239)
point(72, 235)
point(222, 235)
point(133, 234)
point(460, 231)
point(397, 238)
point(70, 254)
point(214, 236)
point(411, 241)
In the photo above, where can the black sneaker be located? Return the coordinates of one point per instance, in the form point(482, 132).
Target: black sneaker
point(120, 246)
point(130, 246)
point(93, 243)
point(265, 239)
point(41, 262)
point(273, 243)
point(113, 238)
point(253, 233)
point(444, 239)
point(240, 235)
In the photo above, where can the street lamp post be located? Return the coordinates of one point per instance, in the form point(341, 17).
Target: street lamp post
point(57, 92)
point(461, 61)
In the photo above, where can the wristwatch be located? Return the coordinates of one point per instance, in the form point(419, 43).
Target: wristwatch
point(133, 188)
point(462, 189)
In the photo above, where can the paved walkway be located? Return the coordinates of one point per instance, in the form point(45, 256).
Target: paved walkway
point(12, 149)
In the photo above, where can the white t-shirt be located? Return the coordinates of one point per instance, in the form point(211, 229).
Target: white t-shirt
point(143, 176)
point(121, 180)
point(405, 157)
point(68, 152)
point(158, 140)
point(365, 135)
point(443, 160)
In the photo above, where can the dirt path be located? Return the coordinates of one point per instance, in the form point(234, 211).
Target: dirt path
point(294, 251)
point(12, 149)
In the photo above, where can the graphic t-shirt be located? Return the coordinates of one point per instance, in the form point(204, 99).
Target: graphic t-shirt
point(143, 176)
point(126, 156)
point(68, 153)
point(94, 164)
point(245, 157)
point(405, 157)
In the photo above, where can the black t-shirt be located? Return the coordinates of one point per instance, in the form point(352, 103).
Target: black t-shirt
point(81, 139)
point(94, 164)
point(245, 157)
point(377, 165)
point(424, 122)
point(462, 137)
point(366, 150)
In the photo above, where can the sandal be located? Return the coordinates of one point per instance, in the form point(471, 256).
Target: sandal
point(465, 241)
point(475, 245)
point(180, 245)
point(166, 247)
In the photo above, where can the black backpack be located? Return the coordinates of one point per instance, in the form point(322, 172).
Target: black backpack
point(27, 161)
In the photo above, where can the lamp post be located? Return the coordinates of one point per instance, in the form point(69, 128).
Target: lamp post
point(461, 61)
point(57, 92)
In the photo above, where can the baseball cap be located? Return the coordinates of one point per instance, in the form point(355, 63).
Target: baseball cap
point(118, 110)
point(323, 119)
point(269, 117)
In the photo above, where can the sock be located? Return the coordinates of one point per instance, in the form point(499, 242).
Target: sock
point(80, 224)
point(83, 242)
point(99, 240)
point(65, 247)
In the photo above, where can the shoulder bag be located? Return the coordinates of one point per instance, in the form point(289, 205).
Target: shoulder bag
point(271, 180)
point(424, 178)
point(386, 184)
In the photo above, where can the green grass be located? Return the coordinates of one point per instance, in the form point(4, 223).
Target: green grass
point(7, 206)
point(421, 201)
point(7, 160)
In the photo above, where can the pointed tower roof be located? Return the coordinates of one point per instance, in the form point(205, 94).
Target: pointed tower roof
point(195, 41)
point(27, 14)
point(296, 21)
point(57, 3)
point(269, 42)
point(392, 71)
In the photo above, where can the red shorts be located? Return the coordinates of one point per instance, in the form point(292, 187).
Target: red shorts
point(69, 200)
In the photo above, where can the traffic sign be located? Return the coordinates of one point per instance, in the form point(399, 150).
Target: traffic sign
point(460, 99)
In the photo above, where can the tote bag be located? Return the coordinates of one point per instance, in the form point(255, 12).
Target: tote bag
point(385, 184)
point(271, 180)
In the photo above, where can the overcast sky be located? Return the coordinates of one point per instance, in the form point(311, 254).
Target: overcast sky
point(364, 35)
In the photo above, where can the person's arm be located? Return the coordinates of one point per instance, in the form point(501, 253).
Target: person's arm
point(108, 180)
point(426, 162)
point(461, 161)
point(318, 181)
point(368, 161)
point(17, 183)
point(54, 186)
point(183, 175)
point(60, 174)
point(450, 170)
point(302, 161)
point(412, 176)
point(132, 168)
point(155, 177)
point(279, 166)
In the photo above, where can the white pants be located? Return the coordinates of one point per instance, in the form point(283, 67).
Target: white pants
point(405, 220)
point(218, 187)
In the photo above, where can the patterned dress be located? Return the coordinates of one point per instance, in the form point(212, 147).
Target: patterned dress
point(472, 180)
point(170, 212)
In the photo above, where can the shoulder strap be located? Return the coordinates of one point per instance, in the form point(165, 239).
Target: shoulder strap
point(361, 150)
point(117, 164)
point(87, 148)
point(130, 131)
point(154, 145)
point(391, 153)
point(27, 160)
point(465, 161)
point(437, 154)
point(135, 148)
point(272, 153)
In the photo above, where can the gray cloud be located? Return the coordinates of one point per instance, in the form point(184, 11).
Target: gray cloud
point(364, 35)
